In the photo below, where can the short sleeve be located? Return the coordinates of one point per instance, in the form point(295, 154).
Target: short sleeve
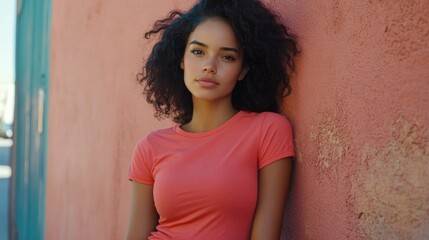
point(276, 139)
point(142, 162)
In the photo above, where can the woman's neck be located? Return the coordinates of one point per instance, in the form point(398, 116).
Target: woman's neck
point(207, 116)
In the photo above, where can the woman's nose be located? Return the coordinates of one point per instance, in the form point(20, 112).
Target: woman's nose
point(209, 67)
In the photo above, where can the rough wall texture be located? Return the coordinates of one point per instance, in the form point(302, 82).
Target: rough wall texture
point(358, 107)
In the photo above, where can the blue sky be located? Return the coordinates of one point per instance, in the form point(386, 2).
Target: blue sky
point(7, 40)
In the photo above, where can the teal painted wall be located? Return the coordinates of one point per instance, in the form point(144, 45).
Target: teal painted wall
point(32, 85)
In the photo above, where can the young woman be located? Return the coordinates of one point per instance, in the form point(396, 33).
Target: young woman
point(220, 71)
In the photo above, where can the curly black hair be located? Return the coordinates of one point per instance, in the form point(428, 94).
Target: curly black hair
point(267, 46)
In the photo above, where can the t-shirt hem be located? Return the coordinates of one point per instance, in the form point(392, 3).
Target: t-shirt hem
point(140, 180)
point(275, 158)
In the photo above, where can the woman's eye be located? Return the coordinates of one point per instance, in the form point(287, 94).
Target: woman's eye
point(229, 58)
point(197, 52)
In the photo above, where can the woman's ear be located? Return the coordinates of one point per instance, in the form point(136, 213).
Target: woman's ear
point(244, 71)
point(181, 64)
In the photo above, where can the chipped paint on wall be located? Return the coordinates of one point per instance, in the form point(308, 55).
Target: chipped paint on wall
point(330, 138)
point(390, 190)
point(331, 143)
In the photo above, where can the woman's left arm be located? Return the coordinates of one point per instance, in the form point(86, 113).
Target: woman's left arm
point(273, 187)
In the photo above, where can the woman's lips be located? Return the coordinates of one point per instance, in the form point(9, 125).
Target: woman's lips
point(207, 82)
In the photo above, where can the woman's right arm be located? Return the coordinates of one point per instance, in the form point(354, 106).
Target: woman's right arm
point(143, 217)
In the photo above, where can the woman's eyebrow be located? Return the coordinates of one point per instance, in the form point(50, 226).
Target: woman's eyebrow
point(222, 48)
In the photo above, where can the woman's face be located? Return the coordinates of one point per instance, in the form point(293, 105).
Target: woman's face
point(212, 62)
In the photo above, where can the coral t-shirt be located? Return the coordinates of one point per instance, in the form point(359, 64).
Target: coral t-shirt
point(205, 184)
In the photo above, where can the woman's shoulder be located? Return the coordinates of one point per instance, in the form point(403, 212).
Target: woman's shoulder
point(268, 117)
point(154, 136)
point(266, 122)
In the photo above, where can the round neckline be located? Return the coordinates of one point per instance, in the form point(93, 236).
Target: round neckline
point(227, 123)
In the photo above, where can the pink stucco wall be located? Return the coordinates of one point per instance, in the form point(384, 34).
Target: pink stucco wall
point(96, 113)
point(360, 112)
point(358, 107)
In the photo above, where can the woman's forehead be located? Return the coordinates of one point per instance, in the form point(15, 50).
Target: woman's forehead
point(214, 32)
